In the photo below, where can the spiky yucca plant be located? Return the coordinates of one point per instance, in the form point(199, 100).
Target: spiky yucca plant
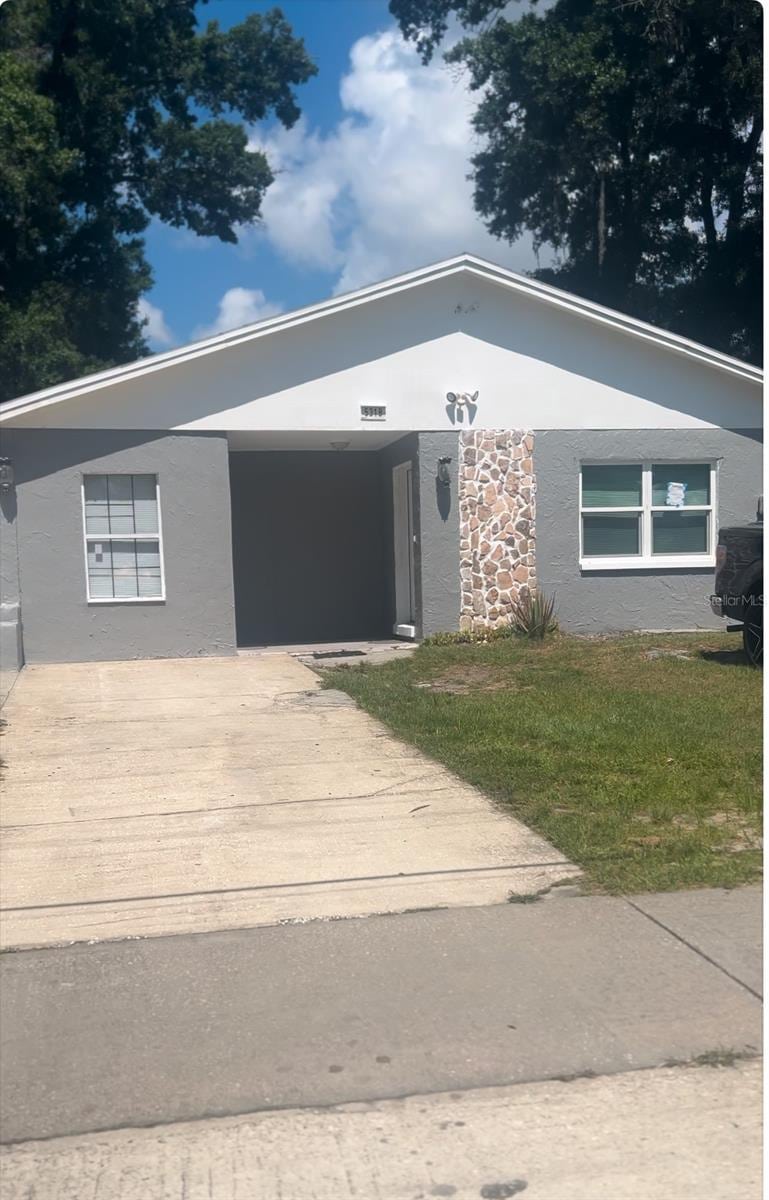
point(533, 615)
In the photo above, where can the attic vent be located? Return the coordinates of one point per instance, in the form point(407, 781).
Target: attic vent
point(373, 412)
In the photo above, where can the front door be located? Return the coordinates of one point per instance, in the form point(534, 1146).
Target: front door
point(403, 544)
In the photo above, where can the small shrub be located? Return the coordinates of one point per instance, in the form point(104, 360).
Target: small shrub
point(448, 637)
point(533, 615)
point(468, 637)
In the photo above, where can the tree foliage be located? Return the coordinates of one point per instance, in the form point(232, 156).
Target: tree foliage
point(112, 113)
point(625, 135)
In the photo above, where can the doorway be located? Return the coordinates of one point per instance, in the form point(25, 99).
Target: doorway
point(403, 547)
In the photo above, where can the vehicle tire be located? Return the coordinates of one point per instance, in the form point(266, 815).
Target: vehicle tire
point(753, 630)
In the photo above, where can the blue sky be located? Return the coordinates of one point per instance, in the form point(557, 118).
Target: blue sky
point(372, 181)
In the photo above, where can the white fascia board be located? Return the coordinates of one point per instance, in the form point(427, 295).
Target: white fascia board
point(567, 301)
point(221, 341)
point(465, 263)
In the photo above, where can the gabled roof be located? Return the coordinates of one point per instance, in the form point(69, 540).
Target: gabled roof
point(464, 263)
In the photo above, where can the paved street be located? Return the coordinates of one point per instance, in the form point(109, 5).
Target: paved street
point(180, 795)
point(669, 1134)
point(171, 1029)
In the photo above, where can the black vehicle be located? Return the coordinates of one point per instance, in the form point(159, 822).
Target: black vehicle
point(738, 594)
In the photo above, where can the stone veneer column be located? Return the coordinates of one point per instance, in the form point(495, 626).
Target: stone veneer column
point(497, 489)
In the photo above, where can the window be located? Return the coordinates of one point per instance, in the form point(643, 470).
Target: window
point(121, 518)
point(646, 515)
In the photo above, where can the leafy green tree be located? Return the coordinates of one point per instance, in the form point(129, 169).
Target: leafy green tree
point(113, 112)
point(625, 135)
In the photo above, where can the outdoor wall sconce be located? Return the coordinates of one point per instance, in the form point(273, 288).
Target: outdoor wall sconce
point(6, 475)
point(444, 475)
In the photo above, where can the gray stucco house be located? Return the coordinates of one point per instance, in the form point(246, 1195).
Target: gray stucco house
point(402, 460)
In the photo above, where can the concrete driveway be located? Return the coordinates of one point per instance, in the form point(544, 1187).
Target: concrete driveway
point(175, 796)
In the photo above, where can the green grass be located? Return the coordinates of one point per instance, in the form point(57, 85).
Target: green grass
point(645, 772)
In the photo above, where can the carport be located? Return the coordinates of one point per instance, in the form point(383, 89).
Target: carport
point(323, 537)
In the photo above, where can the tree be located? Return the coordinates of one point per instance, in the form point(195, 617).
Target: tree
point(625, 135)
point(111, 114)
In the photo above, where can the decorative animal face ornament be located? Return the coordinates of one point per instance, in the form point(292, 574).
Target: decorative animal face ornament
point(462, 399)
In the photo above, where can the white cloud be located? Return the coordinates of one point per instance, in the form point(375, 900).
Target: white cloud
point(386, 190)
point(239, 306)
point(156, 328)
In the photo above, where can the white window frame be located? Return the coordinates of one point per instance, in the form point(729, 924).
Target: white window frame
point(124, 537)
point(646, 561)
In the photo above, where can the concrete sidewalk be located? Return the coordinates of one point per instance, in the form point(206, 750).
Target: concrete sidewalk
point(176, 1028)
point(680, 1134)
point(181, 795)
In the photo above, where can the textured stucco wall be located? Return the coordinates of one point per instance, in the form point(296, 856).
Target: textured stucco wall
point(438, 535)
point(596, 601)
point(309, 554)
point(59, 624)
point(198, 614)
point(436, 525)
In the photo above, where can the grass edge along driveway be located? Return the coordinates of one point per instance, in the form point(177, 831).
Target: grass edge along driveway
point(638, 756)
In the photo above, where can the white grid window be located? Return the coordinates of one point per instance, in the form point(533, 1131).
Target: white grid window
point(123, 544)
point(651, 514)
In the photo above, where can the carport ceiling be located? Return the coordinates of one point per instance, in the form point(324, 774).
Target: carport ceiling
point(309, 439)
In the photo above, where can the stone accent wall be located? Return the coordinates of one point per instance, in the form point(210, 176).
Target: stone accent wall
point(497, 489)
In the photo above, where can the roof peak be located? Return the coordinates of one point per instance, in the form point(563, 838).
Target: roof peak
point(483, 268)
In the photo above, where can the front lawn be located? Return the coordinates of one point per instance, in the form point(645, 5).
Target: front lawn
point(639, 757)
